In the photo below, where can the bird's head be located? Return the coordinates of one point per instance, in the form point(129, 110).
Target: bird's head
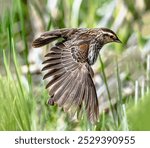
point(109, 36)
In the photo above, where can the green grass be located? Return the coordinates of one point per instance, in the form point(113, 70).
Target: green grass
point(15, 106)
point(138, 116)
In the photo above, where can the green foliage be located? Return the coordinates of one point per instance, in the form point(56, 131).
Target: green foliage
point(16, 105)
point(138, 116)
point(15, 110)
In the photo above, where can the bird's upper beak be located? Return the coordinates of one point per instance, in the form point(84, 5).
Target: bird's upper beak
point(118, 41)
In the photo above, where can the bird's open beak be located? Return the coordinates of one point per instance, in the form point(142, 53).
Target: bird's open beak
point(118, 41)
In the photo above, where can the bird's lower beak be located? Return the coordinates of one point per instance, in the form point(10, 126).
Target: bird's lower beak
point(118, 41)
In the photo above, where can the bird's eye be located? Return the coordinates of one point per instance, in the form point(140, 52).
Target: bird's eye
point(111, 36)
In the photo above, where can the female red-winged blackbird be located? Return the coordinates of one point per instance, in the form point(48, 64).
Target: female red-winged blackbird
point(68, 66)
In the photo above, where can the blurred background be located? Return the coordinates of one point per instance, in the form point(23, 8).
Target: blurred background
point(122, 72)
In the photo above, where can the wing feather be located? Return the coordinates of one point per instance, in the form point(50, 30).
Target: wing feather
point(65, 96)
point(57, 85)
point(54, 72)
point(52, 61)
point(63, 87)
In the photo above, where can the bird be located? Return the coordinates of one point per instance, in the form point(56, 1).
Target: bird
point(68, 65)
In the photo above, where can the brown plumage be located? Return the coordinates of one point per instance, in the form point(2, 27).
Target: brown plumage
point(68, 66)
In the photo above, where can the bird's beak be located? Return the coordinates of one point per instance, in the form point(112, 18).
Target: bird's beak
point(118, 41)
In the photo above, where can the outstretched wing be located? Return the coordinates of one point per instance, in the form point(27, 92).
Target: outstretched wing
point(70, 75)
point(71, 84)
point(50, 36)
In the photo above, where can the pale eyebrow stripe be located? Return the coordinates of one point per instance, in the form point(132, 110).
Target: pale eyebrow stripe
point(108, 33)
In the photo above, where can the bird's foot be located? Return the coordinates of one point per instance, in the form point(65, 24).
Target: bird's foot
point(51, 101)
